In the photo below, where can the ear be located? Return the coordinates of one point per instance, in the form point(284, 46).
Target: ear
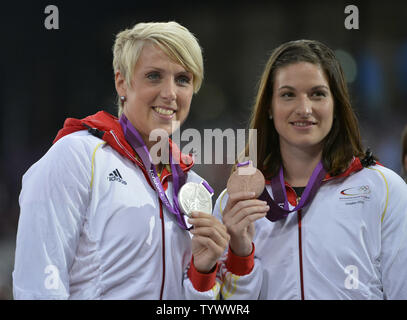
point(121, 84)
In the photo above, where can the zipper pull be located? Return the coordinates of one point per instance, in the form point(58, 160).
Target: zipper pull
point(94, 131)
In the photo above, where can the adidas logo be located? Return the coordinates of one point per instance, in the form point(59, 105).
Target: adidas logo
point(116, 176)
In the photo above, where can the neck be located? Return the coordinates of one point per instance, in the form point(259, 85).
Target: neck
point(148, 143)
point(299, 164)
point(159, 152)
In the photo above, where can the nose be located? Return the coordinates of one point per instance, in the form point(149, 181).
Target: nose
point(169, 90)
point(304, 107)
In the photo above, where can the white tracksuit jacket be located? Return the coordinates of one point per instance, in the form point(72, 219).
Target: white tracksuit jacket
point(349, 243)
point(91, 227)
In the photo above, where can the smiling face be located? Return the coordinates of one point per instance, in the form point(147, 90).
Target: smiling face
point(160, 93)
point(302, 106)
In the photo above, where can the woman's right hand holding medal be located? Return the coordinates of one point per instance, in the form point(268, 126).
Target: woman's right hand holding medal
point(242, 209)
point(209, 241)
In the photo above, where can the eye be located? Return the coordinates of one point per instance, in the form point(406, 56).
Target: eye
point(319, 94)
point(183, 80)
point(287, 94)
point(154, 76)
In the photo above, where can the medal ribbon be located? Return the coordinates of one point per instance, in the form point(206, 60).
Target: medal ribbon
point(279, 208)
point(179, 177)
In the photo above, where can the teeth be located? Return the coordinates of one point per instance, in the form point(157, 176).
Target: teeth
point(302, 124)
point(163, 111)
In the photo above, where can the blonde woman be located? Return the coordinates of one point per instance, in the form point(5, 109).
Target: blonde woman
point(99, 219)
point(331, 223)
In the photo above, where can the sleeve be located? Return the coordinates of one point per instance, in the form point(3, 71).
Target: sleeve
point(201, 286)
point(53, 201)
point(229, 274)
point(240, 278)
point(394, 238)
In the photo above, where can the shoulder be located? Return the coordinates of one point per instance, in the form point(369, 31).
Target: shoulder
point(379, 180)
point(77, 141)
point(388, 187)
point(72, 153)
point(393, 194)
point(67, 165)
point(395, 186)
point(384, 176)
point(77, 147)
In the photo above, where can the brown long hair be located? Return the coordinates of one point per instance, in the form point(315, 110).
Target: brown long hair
point(342, 143)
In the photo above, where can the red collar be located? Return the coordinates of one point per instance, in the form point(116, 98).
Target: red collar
point(109, 129)
point(355, 166)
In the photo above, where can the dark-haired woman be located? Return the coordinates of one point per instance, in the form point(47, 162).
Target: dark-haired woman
point(331, 222)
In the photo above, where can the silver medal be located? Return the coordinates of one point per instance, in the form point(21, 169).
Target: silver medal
point(194, 197)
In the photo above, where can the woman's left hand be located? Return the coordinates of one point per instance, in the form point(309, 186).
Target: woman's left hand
point(209, 241)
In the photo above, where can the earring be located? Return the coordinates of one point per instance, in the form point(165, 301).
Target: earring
point(270, 117)
point(122, 99)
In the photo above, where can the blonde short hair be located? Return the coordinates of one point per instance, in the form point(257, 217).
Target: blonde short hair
point(175, 40)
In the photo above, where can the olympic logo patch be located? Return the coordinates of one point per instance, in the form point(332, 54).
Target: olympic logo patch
point(358, 194)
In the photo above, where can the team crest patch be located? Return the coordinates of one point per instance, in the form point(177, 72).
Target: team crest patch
point(355, 195)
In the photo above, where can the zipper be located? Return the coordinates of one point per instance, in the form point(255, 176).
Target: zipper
point(163, 247)
point(299, 215)
point(161, 211)
point(299, 219)
point(125, 150)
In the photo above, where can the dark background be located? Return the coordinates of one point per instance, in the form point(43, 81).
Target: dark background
point(49, 75)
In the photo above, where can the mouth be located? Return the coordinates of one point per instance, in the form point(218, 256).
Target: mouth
point(165, 111)
point(303, 124)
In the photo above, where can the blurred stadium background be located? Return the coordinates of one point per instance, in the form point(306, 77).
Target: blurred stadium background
point(48, 75)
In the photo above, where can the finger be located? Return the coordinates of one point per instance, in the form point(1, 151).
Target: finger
point(238, 196)
point(205, 225)
point(242, 205)
point(204, 221)
point(244, 223)
point(220, 236)
point(200, 214)
point(245, 213)
point(215, 249)
point(201, 219)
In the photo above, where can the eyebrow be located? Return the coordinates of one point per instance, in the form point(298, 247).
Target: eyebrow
point(162, 70)
point(313, 88)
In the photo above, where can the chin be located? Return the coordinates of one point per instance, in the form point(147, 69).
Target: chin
point(310, 145)
point(169, 128)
